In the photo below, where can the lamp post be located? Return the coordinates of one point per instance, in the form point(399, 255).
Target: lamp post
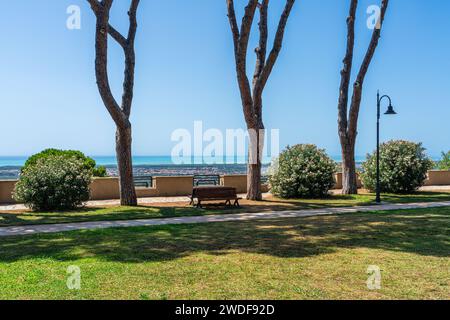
point(390, 111)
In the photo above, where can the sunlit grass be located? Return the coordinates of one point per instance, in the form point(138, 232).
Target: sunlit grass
point(299, 258)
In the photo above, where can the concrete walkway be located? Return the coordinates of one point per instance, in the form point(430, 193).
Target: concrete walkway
point(28, 230)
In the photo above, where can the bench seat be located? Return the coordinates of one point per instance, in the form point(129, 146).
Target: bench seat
point(215, 193)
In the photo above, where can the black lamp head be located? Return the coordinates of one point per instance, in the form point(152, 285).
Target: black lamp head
point(390, 110)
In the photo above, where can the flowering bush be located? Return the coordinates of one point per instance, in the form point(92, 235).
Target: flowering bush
point(302, 171)
point(54, 183)
point(88, 162)
point(403, 167)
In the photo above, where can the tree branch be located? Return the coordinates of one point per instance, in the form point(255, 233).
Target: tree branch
point(132, 14)
point(241, 39)
point(346, 72)
point(95, 5)
point(246, 26)
point(130, 60)
point(273, 56)
point(234, 26)
point(358, 85)
point(261, 50)
point(116, 35)
point(101, 62)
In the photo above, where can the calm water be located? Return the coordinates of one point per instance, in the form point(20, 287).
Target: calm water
point(149, 160)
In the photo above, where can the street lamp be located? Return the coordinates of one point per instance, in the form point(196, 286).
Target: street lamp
point(390, 111)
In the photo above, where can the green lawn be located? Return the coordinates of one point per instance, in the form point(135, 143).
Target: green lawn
point(298, 258)
point(183, 209)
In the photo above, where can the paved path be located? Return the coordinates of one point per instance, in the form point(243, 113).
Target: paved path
point(27, 230)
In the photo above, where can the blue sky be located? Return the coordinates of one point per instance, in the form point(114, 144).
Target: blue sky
point(185, 72)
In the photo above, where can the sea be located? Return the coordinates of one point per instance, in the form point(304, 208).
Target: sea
point(156, 165)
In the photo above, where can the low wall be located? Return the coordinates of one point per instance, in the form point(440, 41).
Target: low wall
point(438, 178)
point(240, 183)
point(236, 181)
point(108, 188)
point(6, 189)
point(338, 180)
point(105, 188)
point(173, 186)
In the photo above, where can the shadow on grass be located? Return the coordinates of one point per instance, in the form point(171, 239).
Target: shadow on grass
point(422, 196)
point(183, 209)
point(423, 232)
point(92, 214)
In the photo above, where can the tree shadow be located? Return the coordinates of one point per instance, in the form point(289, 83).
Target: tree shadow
point(92, 214)
point(169, 210)
point(419, 196)
point(423, 232)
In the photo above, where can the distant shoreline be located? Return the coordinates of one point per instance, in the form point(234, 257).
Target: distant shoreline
point(110, 161)
point(161, 166)
point(12, 172)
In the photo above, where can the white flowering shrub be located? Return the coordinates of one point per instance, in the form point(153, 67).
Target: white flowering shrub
point(97, 171)
point(302, 171)
point(403, 167)
point(54, 183)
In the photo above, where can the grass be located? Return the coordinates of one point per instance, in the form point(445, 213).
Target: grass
point(183, 209)
point(300, 258)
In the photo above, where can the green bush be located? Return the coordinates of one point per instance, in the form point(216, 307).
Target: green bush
point(444, 163)
point(99, 172)
point(403, 167)
point(88, 162)
point(55, 182)
point(302, 171)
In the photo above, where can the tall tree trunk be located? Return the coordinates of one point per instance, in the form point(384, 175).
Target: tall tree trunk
point(256, 147)
point(348, 119)
point(349, 178)
point(125, 165)
point(252, 96)
point(119, 113)
point(254, 182)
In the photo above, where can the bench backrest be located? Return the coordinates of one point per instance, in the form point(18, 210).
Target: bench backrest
point(206, 180)
point(143, 181)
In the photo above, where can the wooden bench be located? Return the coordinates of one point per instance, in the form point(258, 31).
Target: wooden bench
point(214, 193)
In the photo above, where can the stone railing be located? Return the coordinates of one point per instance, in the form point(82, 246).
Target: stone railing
point(108, 188)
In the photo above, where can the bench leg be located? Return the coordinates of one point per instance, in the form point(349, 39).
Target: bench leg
point(199, 204)
point(236, 203)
